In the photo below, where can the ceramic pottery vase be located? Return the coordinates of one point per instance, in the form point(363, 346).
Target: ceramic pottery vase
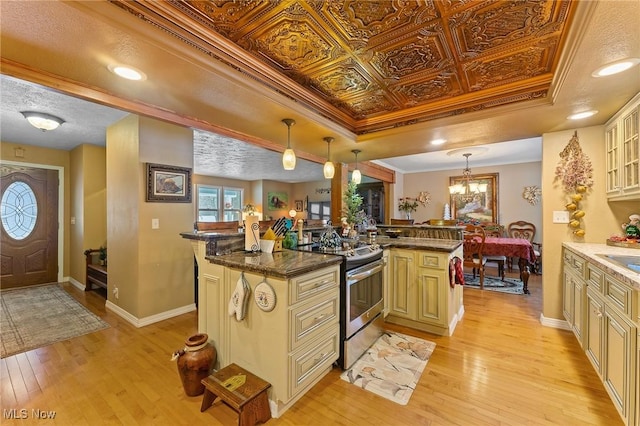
point(195, 363)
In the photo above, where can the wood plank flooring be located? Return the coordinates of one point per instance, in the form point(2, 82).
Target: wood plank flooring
point(501, 367)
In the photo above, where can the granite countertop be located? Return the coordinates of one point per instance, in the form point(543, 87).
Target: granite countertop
point(211, 235)
point(590, 251)
point(432, 244)
point(284, 264)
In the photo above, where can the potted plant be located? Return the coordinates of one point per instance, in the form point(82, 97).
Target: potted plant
point(352, 214)
point(408, 205)
point(102, 255)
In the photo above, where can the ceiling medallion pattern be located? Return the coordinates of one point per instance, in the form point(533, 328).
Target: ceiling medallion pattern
point(366, 63)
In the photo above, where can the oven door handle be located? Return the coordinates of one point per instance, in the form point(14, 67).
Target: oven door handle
point(364, 274)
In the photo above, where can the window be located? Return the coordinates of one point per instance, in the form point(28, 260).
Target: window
point(212, 207)
point(19, 210)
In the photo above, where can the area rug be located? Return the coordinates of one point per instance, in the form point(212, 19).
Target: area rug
point(509, 285)
point(33, 317)
point(392, 367)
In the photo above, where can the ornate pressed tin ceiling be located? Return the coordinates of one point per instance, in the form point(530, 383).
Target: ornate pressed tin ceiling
point(371, 65)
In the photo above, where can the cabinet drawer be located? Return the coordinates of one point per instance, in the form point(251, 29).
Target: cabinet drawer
point(433, 260)
point(574, 262)
point(595, 277)
point(312, 284)
point(310, 319)
point(308, 363)
point(618, 295)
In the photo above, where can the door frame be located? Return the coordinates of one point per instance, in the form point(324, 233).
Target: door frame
point(61, 228)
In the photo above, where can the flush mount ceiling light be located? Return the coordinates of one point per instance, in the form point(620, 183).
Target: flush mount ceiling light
point(289, 157)
point(127, 72)
point(42, 121)
point(615, 67)
point(356, 176)
point(439, 141)
point(329, 169)
point(581, 115)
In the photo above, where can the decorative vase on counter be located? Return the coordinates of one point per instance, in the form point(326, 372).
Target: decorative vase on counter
point(195, 362)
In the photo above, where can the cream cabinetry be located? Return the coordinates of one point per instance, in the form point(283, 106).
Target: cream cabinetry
point(419, 292)
point(622, 151)
point(574, 291)
point(295, 344)
point(610, 337)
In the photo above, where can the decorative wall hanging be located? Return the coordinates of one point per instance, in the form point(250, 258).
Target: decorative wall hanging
point(532, 194)
point(323, 190)
point(424, 198)
point(575, 173)
point(482, 206)
point(277, 200)
point(168, 184)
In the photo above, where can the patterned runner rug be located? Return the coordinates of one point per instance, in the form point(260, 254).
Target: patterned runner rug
point(392, 367)
point(509, 285)
point(33, 317)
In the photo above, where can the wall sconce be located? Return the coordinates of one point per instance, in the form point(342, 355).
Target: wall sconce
point(356, 176)
point(293, 213)
point(289, 157)
point(329, 169)
point(42, 121)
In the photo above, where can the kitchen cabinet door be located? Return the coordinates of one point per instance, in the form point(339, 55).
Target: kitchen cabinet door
point(594, 334)
point(403, 286)
point(622, 153)
point(619, 357)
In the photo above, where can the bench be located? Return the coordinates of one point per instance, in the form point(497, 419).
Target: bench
point(246, 395)
point(95, 272)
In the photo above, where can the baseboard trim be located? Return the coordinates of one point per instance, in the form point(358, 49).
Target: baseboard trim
point(141, 322)
point(554, 323)
point(77, 284)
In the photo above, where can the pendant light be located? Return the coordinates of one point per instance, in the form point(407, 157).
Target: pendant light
point(328, 169)
point(289, 157)
point(356, 176)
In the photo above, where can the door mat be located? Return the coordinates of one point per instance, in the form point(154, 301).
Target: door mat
point(509, 285)
point(33, 317)
point(392, 367)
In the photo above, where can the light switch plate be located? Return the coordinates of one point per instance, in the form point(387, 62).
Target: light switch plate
point(560, 216)
point(155, 223)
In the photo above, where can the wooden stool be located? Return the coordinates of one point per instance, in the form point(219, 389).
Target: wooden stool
point(249, 400)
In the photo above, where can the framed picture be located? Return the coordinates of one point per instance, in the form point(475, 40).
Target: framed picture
point(277, 200)
point(168, 184)
point(481, 207)
point(299, 205)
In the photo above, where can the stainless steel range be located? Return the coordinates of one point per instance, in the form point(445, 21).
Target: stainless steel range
point(361, 299)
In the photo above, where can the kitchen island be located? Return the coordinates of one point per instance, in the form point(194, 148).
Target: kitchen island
point(290, 337)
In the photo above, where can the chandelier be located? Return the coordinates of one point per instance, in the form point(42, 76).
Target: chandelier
point(467, 189)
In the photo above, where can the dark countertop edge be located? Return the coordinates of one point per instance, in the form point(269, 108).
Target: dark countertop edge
point(206, 236)
point(328, 260)
point(385, 226)
point(418, 244)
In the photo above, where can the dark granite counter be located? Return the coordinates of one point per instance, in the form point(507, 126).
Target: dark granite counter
point(431, 244)
point(284, 264)
point(425, 231)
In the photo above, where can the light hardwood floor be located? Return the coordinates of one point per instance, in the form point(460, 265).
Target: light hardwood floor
point(501, 367)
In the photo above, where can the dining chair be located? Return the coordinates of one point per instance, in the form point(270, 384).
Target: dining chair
point(495, 230)
point(472, 247)
point(526, 230)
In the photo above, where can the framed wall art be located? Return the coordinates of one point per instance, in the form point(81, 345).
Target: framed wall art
point(168, 184)
point(299, 205)
point(277, 200)
point(477, 207)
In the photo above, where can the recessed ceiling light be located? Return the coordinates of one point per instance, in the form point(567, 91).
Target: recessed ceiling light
point(439, 141)
point(615, 67)
point(581, 115)
point(127, 72)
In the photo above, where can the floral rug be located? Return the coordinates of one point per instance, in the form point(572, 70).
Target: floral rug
point(509, 285)
point(392, 367)
point(33, 317)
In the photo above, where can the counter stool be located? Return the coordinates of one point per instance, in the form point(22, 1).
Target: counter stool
point(248, 399)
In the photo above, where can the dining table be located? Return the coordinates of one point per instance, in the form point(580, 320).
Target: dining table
point(513, 247)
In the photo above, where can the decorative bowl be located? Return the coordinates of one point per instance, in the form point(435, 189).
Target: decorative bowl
point(393, 233)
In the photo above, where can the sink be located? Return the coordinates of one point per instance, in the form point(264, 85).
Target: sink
point(629, 262)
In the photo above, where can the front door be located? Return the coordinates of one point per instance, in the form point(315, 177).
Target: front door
point(29, 214)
